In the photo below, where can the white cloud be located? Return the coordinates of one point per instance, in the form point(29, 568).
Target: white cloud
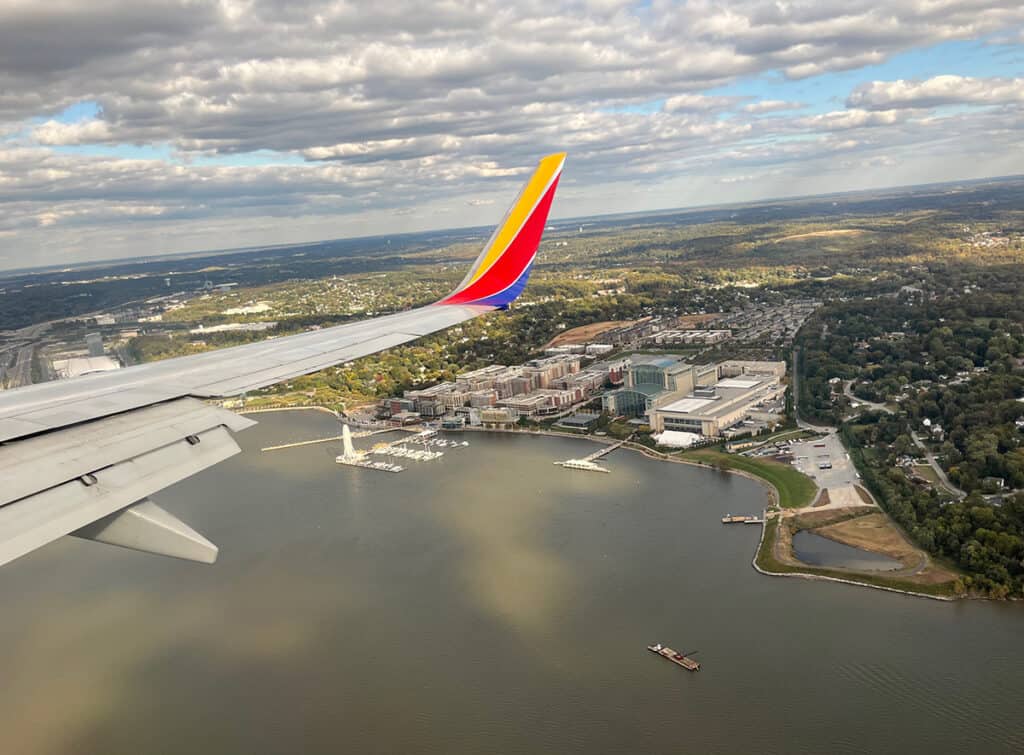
point(372, 108)
point(843, 120)
point(772, 106)
point(84, 132)
point(937, 91)
point(699, 103)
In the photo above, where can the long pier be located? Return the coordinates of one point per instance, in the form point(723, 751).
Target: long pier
point(589, 463)
point(604, 451)
point(333, 438)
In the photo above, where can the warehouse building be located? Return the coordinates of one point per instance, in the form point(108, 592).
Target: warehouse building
point(713, 410)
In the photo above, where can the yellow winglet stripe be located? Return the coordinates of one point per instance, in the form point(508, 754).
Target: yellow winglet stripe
point(520, 212)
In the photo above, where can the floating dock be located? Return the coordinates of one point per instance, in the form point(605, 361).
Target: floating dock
point(359, 461)
point(404, 448)
point(582, 464)
point(679, 659)
point(352, 458)
point(587, 464)
point(404, 452)
point(741, 519)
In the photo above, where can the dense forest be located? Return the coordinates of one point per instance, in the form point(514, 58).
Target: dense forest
point(985, 540)
point(946, 360)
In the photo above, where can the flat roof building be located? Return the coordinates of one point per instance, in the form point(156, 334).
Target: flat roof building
point(580, 420)
point(711, 410)
point(77, 366)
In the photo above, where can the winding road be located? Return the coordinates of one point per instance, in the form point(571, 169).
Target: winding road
point(848, 385)
point(939, 472)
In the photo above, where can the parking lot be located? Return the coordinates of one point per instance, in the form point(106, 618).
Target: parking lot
point(809, 455)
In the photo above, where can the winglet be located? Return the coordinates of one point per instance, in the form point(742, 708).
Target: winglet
point(500, 273)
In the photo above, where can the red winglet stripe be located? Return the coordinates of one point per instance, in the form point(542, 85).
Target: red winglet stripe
point(507, 269)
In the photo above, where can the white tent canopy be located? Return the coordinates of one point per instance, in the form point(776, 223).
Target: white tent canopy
point(677, 439)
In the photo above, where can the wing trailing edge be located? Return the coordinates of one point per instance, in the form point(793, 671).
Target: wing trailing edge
point(82, 456)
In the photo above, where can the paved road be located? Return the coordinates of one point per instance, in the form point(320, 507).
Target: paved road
point(939, 471)
point(863, 402)
point(21, 373)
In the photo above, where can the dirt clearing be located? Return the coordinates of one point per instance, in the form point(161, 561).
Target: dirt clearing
point(586, 333)
point(876, 533)
point(822, 234)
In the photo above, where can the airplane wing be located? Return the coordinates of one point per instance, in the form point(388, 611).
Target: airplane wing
point(82, 456)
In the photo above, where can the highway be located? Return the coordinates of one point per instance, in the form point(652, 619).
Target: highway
point(20, 373)
point(25, 340)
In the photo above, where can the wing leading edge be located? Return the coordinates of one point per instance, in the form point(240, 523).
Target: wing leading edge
point(82, 456)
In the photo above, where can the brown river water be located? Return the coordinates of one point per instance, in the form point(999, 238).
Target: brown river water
point(486, 602)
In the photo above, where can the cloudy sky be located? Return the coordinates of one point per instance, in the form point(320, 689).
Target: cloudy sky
point(130, 128)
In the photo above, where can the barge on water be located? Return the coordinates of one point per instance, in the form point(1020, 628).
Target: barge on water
point(677, 658)
point(740, 519)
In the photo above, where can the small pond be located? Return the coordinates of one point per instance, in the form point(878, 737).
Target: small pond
point(816, 550)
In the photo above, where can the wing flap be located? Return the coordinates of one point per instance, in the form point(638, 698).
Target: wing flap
point(32, 522)
point(86, 448)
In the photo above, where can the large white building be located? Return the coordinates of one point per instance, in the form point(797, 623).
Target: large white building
point(77, 366)
point(747, 392)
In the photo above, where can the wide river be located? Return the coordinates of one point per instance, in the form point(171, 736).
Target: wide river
point(487, 602)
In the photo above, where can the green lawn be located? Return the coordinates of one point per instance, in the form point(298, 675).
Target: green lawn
point(927, 473)
point(795, 489)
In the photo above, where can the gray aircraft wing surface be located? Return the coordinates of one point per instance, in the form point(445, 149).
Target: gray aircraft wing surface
point(82, 456)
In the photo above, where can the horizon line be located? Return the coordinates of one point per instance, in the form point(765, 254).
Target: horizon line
point(170, 256)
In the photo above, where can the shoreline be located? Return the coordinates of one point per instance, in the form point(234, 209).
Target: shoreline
point(773, 498)
point(283, 408)
point(770, 490)
point(826, 578)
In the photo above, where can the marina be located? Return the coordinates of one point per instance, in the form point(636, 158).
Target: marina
point(350, 457)
point(380, 466)
point(399, 449)
point(428, 439)
point(402, 451)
